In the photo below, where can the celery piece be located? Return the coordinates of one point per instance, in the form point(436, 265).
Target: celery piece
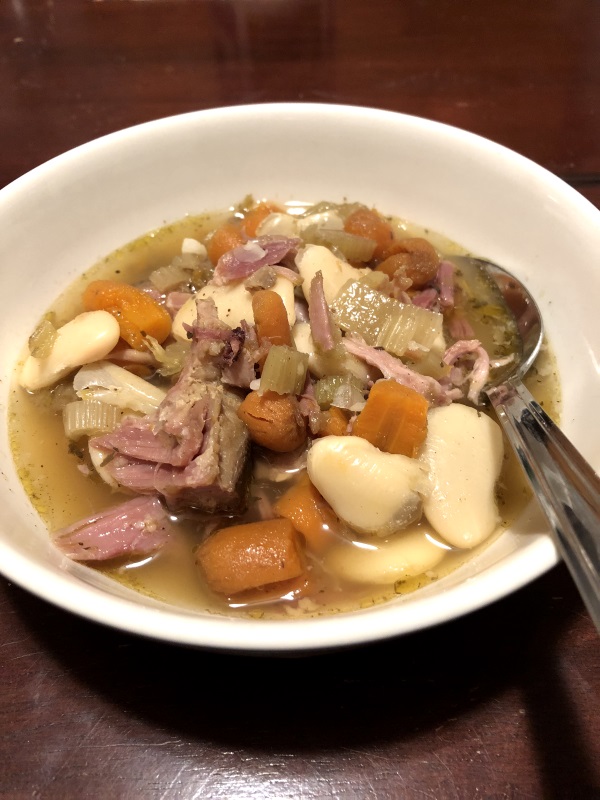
point(89, 418)
point(383, 321)
point(284, 370)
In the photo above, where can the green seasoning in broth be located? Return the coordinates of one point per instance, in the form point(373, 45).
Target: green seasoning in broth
point(269, 411)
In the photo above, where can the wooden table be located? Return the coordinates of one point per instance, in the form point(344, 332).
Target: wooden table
point(501, 704)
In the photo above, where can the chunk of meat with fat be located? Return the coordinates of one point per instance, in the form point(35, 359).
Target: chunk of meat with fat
point(193, 451)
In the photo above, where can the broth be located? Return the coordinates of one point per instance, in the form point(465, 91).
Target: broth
point(54, 475)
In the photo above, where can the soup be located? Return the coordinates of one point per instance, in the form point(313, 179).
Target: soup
point(240, 405)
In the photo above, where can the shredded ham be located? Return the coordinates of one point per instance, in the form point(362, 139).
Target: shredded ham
point(176, 300)
point(428, 299)
point(309, 408)
point(459, 327)
point(321, 324)
point(480, 371)
point(138, 527)
point(246, 259)
point(391, 367)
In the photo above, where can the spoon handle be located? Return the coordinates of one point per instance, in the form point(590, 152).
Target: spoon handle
point(566, 486)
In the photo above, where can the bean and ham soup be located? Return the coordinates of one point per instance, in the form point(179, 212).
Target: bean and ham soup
point(273, 410)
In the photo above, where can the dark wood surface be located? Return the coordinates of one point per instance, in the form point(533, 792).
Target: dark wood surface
point(501, 704)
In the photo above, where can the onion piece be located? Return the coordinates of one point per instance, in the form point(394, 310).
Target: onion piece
point(115, 385)
point(342, 391)
point(170, 358)
point(42, 339)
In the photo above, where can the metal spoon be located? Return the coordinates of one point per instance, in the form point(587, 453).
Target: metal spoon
point(565, 485)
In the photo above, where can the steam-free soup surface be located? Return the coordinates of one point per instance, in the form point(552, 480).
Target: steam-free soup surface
point(63, 487)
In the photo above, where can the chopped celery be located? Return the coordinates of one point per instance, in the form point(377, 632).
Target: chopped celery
point(343, 391)
point(383, 321)
point(89, 418)
point(284, 370)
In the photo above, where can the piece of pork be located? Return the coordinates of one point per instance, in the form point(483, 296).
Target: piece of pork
point(246, 259)
point(391, 367)
point(193, 450)
point(472, 350)
point(322, 328)
point(138, 527)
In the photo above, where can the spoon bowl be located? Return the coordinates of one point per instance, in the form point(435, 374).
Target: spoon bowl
point(565, 485)
point(523, 308)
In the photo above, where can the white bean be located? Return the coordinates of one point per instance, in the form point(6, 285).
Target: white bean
point(373, 491)
point(278, 224)
point(316, 258)
point(86, 338)
point(463, 452)
point(406, 555)
point(234, 304)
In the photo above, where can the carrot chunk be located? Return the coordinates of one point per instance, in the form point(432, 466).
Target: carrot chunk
point(371, 225)
point(335, 422)
point(270, 318)
point(273, 420)
point(394, 419)
point(416, 257)
point(136, 312)
point(223, 240)
point(256, 215)
point(308, 512)
point(249, 556)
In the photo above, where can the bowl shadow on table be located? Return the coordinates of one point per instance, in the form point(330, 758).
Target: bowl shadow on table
point(370, 695)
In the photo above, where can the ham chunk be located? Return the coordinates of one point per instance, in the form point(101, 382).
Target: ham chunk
point(138, 527)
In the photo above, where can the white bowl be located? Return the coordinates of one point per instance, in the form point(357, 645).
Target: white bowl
point(63, 216)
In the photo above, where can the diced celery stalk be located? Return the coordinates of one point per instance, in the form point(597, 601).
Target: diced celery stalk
point(89, 418)
point(383, 321)
point(284, 370)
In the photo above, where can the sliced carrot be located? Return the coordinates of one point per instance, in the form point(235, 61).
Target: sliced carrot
point(308, 512)
point(273, 420)
point(136, 312)
point(249, 556)
point(270, 318)
point(256, 215)
point(371, 225)
point(223, 240)
point(416, 257)
point(335, 422)
point(394, 418)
